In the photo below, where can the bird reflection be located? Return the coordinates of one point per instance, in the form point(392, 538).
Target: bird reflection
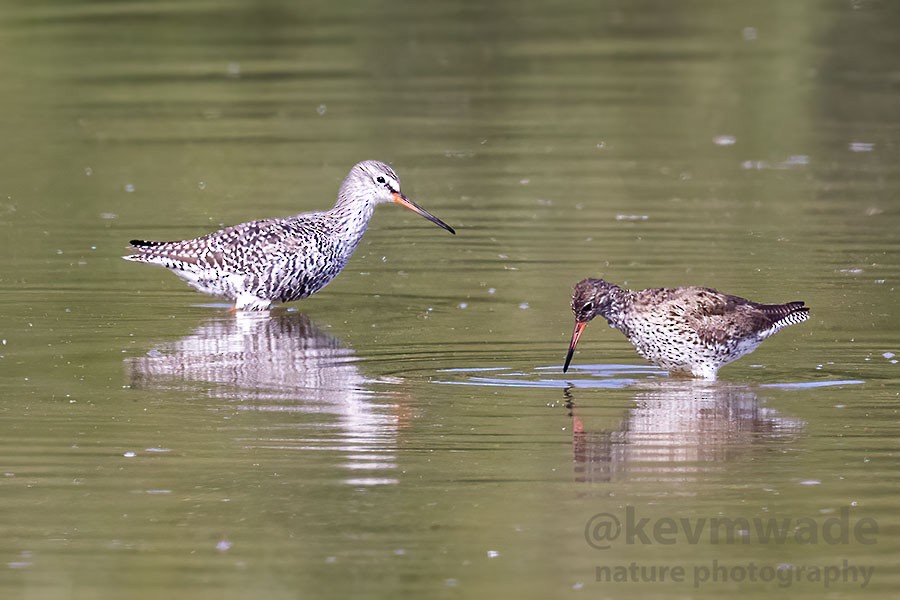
point(282, 362)
point(677, 430)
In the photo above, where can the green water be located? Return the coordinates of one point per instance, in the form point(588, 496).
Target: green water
point(408, 432)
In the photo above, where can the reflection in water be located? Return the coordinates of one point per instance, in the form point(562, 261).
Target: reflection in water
point(282, 362)
point(678, 428)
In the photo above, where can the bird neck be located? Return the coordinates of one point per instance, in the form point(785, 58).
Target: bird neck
point(620, 301)
point(350, 218)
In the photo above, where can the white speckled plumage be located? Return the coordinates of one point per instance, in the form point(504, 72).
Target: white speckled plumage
point(280, 260)
point(688, 330)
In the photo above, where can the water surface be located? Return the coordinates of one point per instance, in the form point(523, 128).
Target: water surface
point(408, 432)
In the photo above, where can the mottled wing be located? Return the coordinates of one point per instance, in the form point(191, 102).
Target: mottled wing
point(241, 249)
point(718, 318)
point(226, 250)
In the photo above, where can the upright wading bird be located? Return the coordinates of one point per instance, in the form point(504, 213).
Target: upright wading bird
point(280, 260)
point(688, 330)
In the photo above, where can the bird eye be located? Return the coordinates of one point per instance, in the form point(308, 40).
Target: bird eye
point(380, 179)
point(588, 307)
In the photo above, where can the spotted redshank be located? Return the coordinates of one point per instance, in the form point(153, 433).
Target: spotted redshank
point(280, 260)
point(691, 331)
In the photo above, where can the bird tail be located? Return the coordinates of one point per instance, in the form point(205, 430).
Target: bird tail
point(144, 250)
point(783, 315)
point(147, 244)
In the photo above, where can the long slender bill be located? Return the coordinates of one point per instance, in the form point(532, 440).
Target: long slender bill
point(579, 328)
point(403, 200)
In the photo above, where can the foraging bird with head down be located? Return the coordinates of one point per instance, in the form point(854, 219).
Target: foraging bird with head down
point(690, 331)
point(283, 259)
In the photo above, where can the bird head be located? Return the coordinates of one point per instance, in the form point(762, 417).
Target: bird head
point(378, 183)
point(590, 298)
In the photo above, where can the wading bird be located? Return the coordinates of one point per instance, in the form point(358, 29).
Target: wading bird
point(688, 330)
point(280, 260)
